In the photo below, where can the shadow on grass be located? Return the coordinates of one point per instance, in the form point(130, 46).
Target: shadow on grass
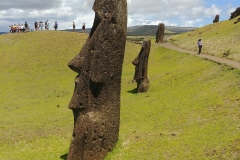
point(134, 91)
point(64, 156)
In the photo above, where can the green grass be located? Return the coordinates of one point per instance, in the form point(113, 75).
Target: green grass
point(191, 110)
point(220, 39)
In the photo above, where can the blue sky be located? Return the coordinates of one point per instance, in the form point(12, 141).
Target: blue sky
point(196, 13)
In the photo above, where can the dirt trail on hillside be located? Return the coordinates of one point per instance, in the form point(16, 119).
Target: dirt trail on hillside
point(232, 63)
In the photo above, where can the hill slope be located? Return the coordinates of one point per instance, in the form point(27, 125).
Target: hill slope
point(190, 112)
point(219, 39)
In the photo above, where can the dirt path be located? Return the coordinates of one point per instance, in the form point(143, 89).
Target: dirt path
point(232, 63)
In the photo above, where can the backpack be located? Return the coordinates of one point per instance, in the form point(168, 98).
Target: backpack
point(45, 23)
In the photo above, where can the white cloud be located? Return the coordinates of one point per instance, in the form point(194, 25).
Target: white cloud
point(166, 23)
point(164, 11)
point(192, 23)
point(213, 11)
point(231, 10)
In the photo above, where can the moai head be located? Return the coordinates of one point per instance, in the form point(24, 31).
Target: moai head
point(235, 13)
point(216, 19)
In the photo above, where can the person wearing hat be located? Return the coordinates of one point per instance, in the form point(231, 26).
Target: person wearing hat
point(199, 44)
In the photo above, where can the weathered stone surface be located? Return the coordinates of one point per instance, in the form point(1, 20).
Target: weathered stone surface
point(160, 33)
point(96, 99)
point(141, 67)
point(238, 20)
point(235, 13)
point(216, 19)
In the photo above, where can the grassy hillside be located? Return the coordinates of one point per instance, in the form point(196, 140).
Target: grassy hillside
point(219, 39)
point(190, 112)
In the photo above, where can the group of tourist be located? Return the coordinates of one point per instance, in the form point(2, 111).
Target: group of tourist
point(39, 25)
point(18, 28)
point(83, 27)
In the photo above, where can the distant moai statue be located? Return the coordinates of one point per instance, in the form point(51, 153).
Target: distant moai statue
point(235, 13)
point(160, 33)
point(216, 19)
point(238, 20)
point(141, 67)
point(96, 99)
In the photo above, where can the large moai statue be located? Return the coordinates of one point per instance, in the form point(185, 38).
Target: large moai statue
point(96, 99)
point(160, 33)
point(235, 13)
point(141, 67)
point(216, 19)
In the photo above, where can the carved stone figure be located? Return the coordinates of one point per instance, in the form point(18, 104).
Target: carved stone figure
point(235, 13)
point(216, 19)
point(238, 20)
point(141, 67)
point(96, 99)
point(160, 33)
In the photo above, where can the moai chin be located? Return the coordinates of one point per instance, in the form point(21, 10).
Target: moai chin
point(141, 67)
point(216, 19)
point(96, 99)
point(160, 33)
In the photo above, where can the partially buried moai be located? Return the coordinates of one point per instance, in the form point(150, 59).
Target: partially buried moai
point(160, 33)
point(216, 19)
point(141, 67)
point(235, 13)
point(96, 99)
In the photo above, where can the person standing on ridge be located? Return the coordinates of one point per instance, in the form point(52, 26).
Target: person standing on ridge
point(36, 25)
point(83, 27)
point(47, 25)
point(199, 44)
point(73, 27)
point(55, 26)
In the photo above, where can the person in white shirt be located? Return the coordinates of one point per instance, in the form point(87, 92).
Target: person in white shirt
point(22, 28)
point(199, 44)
